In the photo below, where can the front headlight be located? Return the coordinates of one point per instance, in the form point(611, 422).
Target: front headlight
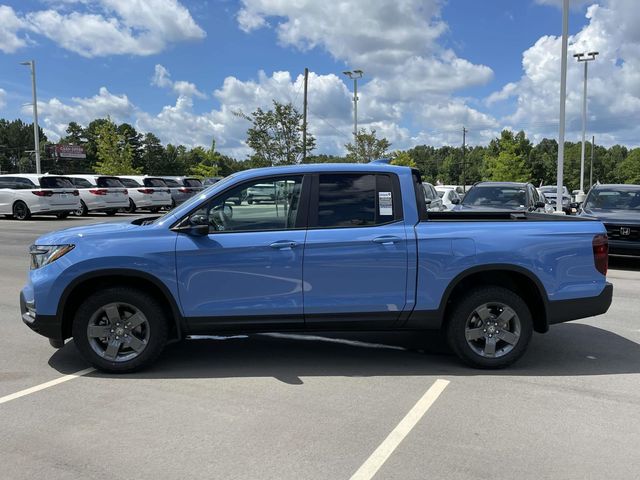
point(42, 255)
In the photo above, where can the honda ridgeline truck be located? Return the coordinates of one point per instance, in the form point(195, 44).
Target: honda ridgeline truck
point(338, 247)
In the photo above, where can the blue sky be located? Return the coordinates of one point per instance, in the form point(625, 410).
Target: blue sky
point(181, 68)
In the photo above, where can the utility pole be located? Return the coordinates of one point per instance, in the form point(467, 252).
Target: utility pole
point(464, 159)
point(355, 75)
point(585, 58)
point(593, 149)
point(304, 117)
point(36, 129)
point(563, 100)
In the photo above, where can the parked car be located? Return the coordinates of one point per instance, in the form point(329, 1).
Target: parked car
point(449, 196)
point(182, 188)
point(350, 247)
point(618, 207)
point(100, 193)
point(551, 192)
point(431, 198)
point(548, 206)
point(211, 180)
point(503, 196)
point(149, 193)
point(26, 194)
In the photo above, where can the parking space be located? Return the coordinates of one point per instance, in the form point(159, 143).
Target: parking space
point(318, 407)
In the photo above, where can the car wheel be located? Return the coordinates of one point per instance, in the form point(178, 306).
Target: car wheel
point(154, 209)
point(132, 207)
point(62, 215)
point(490, 327)
point(120, 330)
point(82, 210)
point(237, 202)
point(21, 211)
point(250, 201)
point(111, 213)
point(173, 204)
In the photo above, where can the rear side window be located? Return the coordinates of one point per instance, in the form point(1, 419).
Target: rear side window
point(81, 183)
point(154, 182)
point(7, 182)
point(192, 182)
point(109, 182)
point(24, 183)
point(356, 200)
point(55, 182)
point(130, 183)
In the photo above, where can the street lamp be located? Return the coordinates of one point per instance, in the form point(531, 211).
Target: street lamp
point(36, 130)
point(355, 75)
point(585, 58)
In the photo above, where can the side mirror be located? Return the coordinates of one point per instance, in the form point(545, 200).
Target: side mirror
point(455, 201)
point(539, 204)
point(197, 230)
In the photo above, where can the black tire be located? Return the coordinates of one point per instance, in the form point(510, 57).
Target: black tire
point(111, 213)
point(132, 207)
point(250, 201)
point(465, 321)
point(62, 215)
point(82, 211)
point(21, 211)
point(129, 300)
point(173, 204)
point(154, 209)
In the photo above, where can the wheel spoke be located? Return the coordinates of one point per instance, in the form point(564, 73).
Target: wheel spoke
point(135, 343)
point(112, 349)
point(490, 347)
point(98, 331)
point(506, 315)
point(484, 313)
point(112, 314)
point(474, 333)
point(135, 320)
point(508, 337)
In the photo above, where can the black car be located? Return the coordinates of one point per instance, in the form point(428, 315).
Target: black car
point(618, 207)
point(504, 196)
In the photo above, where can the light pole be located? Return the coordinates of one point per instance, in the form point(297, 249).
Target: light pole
point(585, 58)
point(36, 130)
point(563, 101)
point(355, 75)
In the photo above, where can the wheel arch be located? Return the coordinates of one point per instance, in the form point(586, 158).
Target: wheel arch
point(517, 279)
point(88, 283)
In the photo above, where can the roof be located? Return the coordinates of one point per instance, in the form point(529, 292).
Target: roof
point(617, 185)
point(501, 184)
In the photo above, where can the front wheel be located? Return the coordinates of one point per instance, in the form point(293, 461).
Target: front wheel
point(62, 215)
point(111, 213)
point(21, 211)
point(132, 207)
point(490, 328)
point(154, 209)
point(120, 330)
point(82, 210)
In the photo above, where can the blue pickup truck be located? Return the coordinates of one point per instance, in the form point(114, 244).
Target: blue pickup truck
point(334, 247)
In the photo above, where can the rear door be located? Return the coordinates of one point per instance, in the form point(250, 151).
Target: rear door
point(355, 257)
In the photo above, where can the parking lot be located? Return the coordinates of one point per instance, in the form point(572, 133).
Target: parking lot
point(319, 406)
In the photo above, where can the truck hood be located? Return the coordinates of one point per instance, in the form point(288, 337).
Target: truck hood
point(626, 217)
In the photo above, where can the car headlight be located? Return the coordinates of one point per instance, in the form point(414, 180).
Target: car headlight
point(42, 255)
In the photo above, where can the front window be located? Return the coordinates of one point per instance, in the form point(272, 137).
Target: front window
point(270, 204)
point(496, 197)
point(614, 199)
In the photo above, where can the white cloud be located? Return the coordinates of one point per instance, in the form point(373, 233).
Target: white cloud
point(10, 25)
point(3, 98)
point(162, 78)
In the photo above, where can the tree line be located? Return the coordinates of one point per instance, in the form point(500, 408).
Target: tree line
point(275, 138)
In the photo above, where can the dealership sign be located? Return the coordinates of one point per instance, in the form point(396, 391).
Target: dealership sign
point(70, 151)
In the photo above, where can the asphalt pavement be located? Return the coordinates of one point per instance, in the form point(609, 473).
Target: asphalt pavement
point(321, 406)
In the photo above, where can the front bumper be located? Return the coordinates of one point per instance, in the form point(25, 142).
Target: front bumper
point(48, 326)
point(566, 310)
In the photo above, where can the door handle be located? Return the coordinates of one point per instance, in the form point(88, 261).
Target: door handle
point(284, 244)
point(386, 240)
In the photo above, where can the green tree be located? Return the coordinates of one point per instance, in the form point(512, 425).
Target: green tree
point(276, 136)
point(628, 171)
point(403, 158)
point(507, 167)
point(367, 147)
point(115, 157)
point(208, 164)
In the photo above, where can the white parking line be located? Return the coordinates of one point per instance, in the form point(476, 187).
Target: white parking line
point(42, 386)
point(386, 448)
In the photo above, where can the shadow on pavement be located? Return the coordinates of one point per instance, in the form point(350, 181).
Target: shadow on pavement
point(622, 262)
point(567, 350)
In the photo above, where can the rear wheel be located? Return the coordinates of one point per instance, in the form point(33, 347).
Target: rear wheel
point(111, 213)
point(490, 328)
point(21, 211)
point(154, 209)
point(62, 215)
point(82, 210)
point(132, 207)
point(120, 330)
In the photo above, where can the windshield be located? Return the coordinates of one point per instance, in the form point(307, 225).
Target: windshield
point(109, 182)
point(551, 190)
point(55, 182)
point(154, 182)
point(614, 199)
point(130, 183)
point(496, 197)
point(171, 183)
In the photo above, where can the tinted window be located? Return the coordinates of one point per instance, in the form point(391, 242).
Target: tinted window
point(496, 196)
point(170, 183)
point(81, 183)
point(608, 198)
point(346, 200)
point(440, 193)
point(154, 182)
point(192, 182)
point(7, 182)
point(24, 183)
point(236, 211)
point(130, 183)
point(55, 182)
point(109, 182)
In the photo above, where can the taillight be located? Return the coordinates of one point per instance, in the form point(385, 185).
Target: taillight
point(125, 191)
point(42, 193)
point(146, 190)
point(99, 191)
point(76, 193)
point(601, 253)
point(184, 190)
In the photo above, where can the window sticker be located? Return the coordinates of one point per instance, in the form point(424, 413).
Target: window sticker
point(385, 203)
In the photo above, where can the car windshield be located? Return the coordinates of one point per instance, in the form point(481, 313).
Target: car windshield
point(614, 199)
point(551, 190)
point(55, 182)
point(496, 197)
point(154, 182)
point(109, 182)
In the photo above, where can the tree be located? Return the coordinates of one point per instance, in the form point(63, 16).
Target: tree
point(115, 157)
point(403, 158)
point(507, 167)
point(276, 136)
point(628, 170)
point(208, 164)
point(367, 147)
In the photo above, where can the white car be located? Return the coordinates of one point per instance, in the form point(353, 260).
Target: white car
point(26, 194)
point(449, 196)
point(149, 193)
point(101, 193)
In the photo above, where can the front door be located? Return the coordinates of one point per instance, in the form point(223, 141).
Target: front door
point(248, 270)
point(355, 260)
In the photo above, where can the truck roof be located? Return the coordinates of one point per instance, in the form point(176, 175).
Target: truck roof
point(323, 167)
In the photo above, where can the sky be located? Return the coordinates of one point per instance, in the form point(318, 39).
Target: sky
point(185, 69)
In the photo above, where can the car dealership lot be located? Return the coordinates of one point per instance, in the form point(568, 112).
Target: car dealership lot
point(289, 406)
